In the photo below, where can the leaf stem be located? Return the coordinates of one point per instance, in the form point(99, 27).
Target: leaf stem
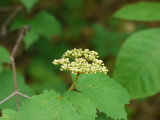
point(72, 86)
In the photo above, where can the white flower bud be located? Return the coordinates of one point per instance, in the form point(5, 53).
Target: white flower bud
point(85, 62)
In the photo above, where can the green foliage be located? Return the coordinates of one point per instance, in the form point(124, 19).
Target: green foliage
point(45, 50)
point(5, 3)
point(102, 116)
point(52, 106)
point(9, 114)
point(105, 93)
point(71, 106)
point(142, 11)
point(97, 91)
point(106, 41)
point(4, 57)
point(138, 64)
point(42, 24)
point(95, 96)
point(44, 77)
point(7, 87)
point(75, 22)
point(29, 4)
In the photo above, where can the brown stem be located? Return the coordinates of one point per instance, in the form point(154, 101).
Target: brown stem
point(22, 33)
point(10, 18)
point(15, 80)
point(7, 98)
point(23, 95)
point(13, 94)
point(72, 86)
point(21, 36)
point(16, 92)
point(7, 9)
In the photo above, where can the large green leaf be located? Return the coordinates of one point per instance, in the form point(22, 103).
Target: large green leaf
point(28, 3)
point(105, 93)
point(4, 57)
point(143, 11)
point(96, 91)
point(138, 64)
point(43, 23)
point(7, 87)
point(52, 106)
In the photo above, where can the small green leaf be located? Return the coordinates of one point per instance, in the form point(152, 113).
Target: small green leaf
point(51, 106)
point(28, 3)
point(43, 23)
point(107, 95)
point(31, 37)
point(7, 88)
point(138, 64)
point(142, 11)
point(4, 57)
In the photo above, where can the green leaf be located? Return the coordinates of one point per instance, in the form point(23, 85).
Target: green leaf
point(105, 93)
point(52, 106)
point(138, 64)
point(142, 11)
point(9, 114)
point(28, 4)
point(43, 23)
point(7, 88)
point(4, 57)
point(44, 77)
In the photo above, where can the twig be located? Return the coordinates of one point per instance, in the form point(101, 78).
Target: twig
point(10, 18)
point(10, 96)
point(16, 92)
point(6, 9)
point(15, 80)
point(23, 95)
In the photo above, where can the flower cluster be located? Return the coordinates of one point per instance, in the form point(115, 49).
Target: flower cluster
point(81, 61)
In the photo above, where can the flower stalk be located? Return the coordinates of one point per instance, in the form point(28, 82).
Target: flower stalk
point(73, 85)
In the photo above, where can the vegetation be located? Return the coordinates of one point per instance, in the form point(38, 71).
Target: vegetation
point(91, 91)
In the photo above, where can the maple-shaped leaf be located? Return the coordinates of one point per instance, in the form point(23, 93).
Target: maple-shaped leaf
point(52, 106)
point(107, 95)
